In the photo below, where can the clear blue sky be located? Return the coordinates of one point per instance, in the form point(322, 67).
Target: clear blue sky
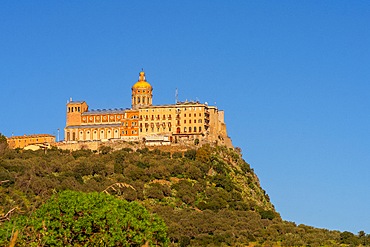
point(292, 76)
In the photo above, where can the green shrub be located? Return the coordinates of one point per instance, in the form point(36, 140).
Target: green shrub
point(93, 219)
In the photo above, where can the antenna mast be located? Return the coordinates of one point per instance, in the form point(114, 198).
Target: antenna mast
point(177, 96)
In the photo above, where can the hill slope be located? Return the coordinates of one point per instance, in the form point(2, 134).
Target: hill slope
point(207, 196)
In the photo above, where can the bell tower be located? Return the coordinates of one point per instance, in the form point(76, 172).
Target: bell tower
point(142, 93)
point(74, 113)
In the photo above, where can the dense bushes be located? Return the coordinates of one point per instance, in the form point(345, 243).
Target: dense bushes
point(94, 219)
point(209, 196)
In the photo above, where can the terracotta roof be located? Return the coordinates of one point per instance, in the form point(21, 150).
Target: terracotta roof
point(104, 111)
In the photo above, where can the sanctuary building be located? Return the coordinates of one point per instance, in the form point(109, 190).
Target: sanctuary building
point(160, 124)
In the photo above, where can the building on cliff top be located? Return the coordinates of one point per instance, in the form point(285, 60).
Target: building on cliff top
point(180, 122)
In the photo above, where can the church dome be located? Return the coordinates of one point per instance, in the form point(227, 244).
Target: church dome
point(142, 83)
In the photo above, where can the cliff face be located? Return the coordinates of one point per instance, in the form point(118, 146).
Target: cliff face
point(227, 166)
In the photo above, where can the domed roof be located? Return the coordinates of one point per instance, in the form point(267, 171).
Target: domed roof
point(142, 83)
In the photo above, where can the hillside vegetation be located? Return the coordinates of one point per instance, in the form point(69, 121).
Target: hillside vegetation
point(207, 196)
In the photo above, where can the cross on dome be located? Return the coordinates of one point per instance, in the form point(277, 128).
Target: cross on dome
point(142, 76)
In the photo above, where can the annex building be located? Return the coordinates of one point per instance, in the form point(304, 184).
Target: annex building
point(152, 124)
point(27, 140)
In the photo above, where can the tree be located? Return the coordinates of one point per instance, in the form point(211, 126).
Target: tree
point(362, 237)
point(3, 143)
point(348, 238)
point(204, 154)
point(190, 154)
point(105, 149)
point(177, 155)
point(94, 219)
